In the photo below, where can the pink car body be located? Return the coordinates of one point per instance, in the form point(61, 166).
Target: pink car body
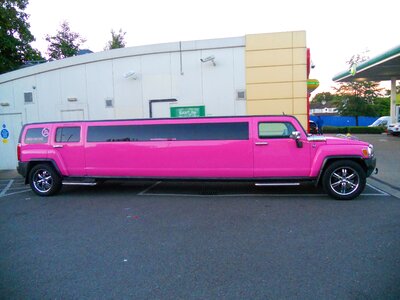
point(256, 148)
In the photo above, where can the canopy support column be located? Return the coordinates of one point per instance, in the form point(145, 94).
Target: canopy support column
point(393, 101)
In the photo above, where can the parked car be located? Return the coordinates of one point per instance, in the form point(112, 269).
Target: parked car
point(313, 127)
point(394, 129)
point(266, 150)
point(382, 121)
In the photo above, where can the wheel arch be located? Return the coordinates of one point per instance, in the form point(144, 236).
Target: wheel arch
point(34, 162)
point(331, 159)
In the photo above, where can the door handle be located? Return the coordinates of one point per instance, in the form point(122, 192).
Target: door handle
point(261, 143)
point(58, 146)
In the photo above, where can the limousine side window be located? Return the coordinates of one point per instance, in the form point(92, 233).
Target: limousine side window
point(275, 130)
point(173, 132)
point(37, 135)
point(68, 134)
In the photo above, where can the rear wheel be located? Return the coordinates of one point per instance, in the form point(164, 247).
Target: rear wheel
point(44, 180)
point(344, 180)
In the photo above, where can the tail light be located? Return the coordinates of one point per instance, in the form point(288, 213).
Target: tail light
point(19, 152)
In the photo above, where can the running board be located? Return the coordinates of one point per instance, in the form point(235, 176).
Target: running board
point(278, 184)
point(79, 183)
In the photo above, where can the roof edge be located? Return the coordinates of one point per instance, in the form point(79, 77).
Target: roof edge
point(124, 52)
point(369, 63)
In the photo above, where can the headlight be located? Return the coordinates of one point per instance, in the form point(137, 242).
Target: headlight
point(370, 150)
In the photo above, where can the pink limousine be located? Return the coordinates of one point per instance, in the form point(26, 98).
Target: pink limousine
point(268, 150)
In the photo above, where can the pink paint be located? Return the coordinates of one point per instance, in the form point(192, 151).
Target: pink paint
point(254, 157)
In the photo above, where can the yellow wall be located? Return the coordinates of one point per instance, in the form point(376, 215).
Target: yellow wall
point(276, 74)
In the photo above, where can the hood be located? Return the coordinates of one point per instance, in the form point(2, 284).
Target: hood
point(338, 140)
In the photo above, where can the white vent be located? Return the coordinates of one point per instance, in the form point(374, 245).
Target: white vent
point(109, 103)
point(240, 95)
point(28, 97)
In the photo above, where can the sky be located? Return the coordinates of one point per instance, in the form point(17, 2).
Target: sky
point(335, 29)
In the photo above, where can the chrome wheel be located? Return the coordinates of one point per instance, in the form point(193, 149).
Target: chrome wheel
point(42, 180)
point(344, 181)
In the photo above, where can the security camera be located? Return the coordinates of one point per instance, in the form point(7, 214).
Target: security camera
point(208, 58)
point(130, 75)
point(312, 65)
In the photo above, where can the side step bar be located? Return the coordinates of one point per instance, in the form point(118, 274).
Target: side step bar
point(278, 184)
point(79, 183)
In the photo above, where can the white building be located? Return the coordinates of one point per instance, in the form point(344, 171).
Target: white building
point(207, 76)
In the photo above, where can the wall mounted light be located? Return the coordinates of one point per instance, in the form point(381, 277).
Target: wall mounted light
point(130, 75)
point(210, 58)
point(4, 104)
point(72, 99)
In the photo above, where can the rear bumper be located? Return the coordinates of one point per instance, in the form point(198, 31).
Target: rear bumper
point(22, 168)
point(371, 165)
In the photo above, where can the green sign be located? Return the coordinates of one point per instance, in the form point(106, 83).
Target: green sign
point(187, 111)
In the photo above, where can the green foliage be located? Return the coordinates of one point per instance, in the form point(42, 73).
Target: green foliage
point(366, 91)
point(335, 129)
point(356, 106)
point(382, 106)
point(354, 129)
point(65, 43)
point(117, 40)
point(15, 36)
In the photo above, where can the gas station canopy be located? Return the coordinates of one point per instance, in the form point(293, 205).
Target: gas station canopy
point(380, 68)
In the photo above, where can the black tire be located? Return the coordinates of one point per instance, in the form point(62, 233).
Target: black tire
point(44, 180)
point(344, 180)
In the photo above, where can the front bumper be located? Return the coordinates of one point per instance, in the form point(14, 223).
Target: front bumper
point(371, 165)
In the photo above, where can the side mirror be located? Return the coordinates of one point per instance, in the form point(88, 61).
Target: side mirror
point(296, 136)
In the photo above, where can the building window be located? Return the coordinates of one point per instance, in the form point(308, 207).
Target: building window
point(109, 103)
point(240, 95)
point(28, 97)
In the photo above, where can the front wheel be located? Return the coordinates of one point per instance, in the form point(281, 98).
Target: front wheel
point(344, 180)
point(44, 180)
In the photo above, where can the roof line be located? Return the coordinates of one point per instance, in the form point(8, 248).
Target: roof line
point(390, 54)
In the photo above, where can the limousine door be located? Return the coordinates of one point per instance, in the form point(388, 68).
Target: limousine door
point(68, 150)
point(276, 155)
point(170, 149)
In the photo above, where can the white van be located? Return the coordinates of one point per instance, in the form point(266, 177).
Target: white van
point(382, 121)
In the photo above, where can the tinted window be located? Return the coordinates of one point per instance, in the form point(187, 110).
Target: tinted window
point(275, 130)
point(37, 135)
point(174, 132)
point(68, 134)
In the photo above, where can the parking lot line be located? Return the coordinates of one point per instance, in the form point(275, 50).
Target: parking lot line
point(253, 195)
point(145, 193)
point(379, 190)
point(4, 191)
point(149, 188)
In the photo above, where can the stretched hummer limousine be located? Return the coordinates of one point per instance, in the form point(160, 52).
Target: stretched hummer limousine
point(266, 150)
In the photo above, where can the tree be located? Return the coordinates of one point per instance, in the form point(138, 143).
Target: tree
point(65, 43)
point(356, 98)
point(15, 36)
point(326, 97)
point(382, 106)
point(117, 40)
